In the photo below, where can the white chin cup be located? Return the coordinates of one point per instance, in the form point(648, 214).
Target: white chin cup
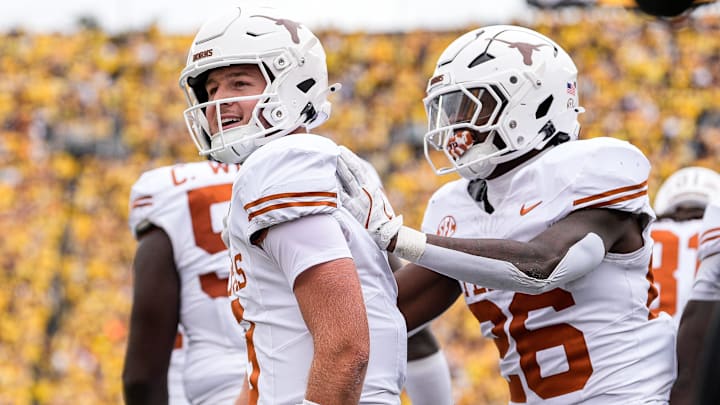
point(472, 166)
point(239, 143)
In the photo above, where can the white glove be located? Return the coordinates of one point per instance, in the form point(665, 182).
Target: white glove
point(363, 196)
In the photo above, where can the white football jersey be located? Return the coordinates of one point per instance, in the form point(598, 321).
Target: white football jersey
point(592, 340)
point(189, 201)
point(707, 283)
point(292, 179)
point(674, 263)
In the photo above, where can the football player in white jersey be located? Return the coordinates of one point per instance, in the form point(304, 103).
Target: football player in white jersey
point(548, 236)
point(703, 306)
point(679, 205)
point(181, 271)
point(313, 291)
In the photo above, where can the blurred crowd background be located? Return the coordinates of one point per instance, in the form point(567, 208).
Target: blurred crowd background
point(82, 114)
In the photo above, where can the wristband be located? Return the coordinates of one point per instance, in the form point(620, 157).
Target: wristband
point(410, 244)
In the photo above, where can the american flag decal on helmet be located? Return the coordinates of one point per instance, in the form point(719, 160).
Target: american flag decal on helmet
point(571, 88)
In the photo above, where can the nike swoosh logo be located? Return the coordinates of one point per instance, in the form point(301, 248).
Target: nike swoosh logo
point(524, 211)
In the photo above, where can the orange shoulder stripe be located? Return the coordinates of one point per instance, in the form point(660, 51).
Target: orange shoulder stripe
point(142, 201)
point(706, 240)
point(290, 195)
point(613, 192)
point(708, 232)
point(291, 204)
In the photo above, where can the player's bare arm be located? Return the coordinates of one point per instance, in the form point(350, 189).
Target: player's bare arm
point(153, 320)
point(620, 233)
point(423, 295)
point(332, 306)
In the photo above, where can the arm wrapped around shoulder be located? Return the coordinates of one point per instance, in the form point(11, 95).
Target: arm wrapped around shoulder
point(582, 257)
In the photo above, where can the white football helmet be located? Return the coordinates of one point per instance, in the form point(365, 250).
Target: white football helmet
point(497, 93)
point(691, 187)
point(290, 58)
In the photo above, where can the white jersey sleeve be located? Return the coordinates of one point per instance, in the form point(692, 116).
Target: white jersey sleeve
point(295, 252)
point(601, 173)
point(707, 281)
point(287, 179)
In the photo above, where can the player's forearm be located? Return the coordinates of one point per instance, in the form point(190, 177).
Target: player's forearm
point(502, 264)
point(527, 257)
point(337, 374)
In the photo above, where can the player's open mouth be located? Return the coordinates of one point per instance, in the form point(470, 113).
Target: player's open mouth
point(228, 123)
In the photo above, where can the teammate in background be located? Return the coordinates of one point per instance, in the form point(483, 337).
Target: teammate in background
point(548, 236)
point(181, 269)
point(679, 205)
point(700, 311)
point(313, 291)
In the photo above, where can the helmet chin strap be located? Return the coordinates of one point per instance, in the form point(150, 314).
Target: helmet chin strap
point(231, 146)
point(480, 169)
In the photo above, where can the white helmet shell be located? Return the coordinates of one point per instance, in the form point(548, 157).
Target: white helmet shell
point(690, 186)
point(513, 86)
point(289, 56)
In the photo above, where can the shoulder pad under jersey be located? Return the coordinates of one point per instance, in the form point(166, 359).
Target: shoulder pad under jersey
point(157, 192)
point(594, 173)
point(286, 179)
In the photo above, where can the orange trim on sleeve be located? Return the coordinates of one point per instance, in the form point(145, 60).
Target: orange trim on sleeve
point(706, 240)
point(611, 193)
point(142, 202)
point(709, 231)
point(619, 199)
point(290, 195)
point(292, 204)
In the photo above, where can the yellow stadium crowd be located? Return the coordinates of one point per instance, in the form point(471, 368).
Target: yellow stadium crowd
point(82, 114)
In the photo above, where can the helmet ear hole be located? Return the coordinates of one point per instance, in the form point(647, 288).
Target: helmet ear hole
point(306, 85)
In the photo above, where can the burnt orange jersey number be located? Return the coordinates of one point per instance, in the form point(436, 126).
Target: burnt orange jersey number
point(667, 265)
point(531, 341)
point(200, 201)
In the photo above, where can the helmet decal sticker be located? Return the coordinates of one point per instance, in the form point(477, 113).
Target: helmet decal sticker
point(525, 49)
point(289, 25)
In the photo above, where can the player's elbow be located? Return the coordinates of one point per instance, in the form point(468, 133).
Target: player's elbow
point(551, 270)
point(355, 354)
point(351, 354)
